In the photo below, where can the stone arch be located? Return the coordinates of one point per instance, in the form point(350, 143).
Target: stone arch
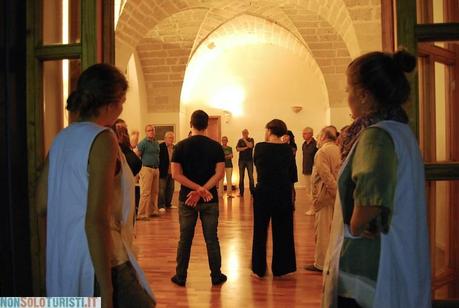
point(214, 19)
point(138, 17)
point(366, 19)
point(164, 54)
point(271, 79)
point(334, 12)
point(319, 37)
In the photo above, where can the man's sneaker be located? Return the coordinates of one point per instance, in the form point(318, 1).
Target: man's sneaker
point(162, 210)
point(219, 279)
point(310, 212)
point(178, 281)
point(172, 207)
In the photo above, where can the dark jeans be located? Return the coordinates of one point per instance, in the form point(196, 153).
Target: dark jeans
point(208, 213)
point(127, 291)
point(276, 206)
point(166, 191)
point(243, 164)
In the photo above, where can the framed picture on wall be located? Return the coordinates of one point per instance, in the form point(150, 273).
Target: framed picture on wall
point(161, 130)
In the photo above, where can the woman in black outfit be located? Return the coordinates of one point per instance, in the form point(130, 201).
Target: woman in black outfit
point(273, 201)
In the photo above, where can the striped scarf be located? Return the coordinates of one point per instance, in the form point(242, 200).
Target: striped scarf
point(351, 134)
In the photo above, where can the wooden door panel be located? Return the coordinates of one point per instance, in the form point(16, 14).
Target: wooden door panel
point(430, 29)
point(214, 128)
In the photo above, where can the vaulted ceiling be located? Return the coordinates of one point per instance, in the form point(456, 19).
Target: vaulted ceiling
point(166, 34)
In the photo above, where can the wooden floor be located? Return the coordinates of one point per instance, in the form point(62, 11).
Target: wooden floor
point(156, 244)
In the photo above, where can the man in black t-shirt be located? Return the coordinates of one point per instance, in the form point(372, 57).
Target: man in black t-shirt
point(198, 164)
point(245, 148)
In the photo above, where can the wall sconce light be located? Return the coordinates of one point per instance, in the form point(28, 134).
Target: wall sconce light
point(296, 109)
point(227, 116)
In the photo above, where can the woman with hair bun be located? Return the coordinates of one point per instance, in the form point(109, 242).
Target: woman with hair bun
point(378, 254)
point(272, 201)
point(85, 199)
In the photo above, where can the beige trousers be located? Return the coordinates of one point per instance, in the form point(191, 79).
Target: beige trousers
point(149, 187)
point(307, 184)
point(308, 189)
point(229, 184)
point(322, 224)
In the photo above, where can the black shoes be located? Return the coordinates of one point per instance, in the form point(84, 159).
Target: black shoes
point(254, 275)
point(178, 281)
point(312, 268)
point(219, 279)
point(215, 280)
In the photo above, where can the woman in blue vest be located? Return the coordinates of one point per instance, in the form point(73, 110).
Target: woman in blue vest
point(378, 254)
point(86, 196)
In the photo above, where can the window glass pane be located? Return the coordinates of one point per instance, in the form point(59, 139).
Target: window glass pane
point(61, 21)
point(438, 17)
point(422, 102)
point(442, 226)
point(443, 202)
point(59, 79)
point(441, 112)
point(441, 293)
point(437, 11)
point(436, 104)
point(118, 6)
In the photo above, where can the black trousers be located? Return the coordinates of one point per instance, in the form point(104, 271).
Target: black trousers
point(275, 206)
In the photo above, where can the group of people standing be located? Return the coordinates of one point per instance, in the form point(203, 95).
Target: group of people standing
point(149, 162)
point(245, 148)
point(368, 196)
point(156, 183)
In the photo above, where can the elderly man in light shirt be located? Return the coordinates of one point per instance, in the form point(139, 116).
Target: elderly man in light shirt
point(327, 162)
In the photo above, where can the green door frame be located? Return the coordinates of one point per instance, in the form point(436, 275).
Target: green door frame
point(409, 34)
point(96, 45)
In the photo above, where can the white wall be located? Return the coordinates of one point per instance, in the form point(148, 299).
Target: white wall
point(272, 79)
point(135, 106)
point(122, 54)
point(340, 116)
point(135, 109)
point(169, 118)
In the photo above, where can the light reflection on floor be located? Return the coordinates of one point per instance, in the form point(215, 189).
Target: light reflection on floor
point(156, 244)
